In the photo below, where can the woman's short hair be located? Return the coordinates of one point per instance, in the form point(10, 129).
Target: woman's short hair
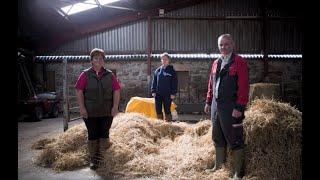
point(97, 52)
point(165, 54)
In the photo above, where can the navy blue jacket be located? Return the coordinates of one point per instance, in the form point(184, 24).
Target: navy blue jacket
point(164, 81)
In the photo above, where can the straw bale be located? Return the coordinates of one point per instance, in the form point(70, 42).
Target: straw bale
point(264, 90)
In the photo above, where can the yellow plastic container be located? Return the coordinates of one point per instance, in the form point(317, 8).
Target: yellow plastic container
point(145, 106)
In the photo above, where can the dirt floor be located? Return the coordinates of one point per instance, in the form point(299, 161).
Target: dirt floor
point(30, 132)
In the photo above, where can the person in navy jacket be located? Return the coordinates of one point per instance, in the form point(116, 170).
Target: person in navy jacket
point(164, 87)
point(227, 97)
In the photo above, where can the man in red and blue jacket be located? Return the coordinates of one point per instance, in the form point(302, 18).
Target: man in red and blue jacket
point(227, 97)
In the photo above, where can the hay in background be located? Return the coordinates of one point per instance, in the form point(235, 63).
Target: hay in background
point(153, 149)
point(264, 90)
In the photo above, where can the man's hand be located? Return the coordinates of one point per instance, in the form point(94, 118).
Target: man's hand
point(114, 111)
point(172, 96)
point(153, 94)
point(236, 113)
point(83, 113)
point(207, 108)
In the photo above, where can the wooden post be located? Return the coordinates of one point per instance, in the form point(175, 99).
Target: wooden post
point(44, 75)
point(66, 116)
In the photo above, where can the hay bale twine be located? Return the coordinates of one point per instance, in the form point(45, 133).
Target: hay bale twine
point(273, 137)
point(266, 90)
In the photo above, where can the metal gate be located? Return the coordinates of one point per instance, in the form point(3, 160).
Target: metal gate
point(70, 106)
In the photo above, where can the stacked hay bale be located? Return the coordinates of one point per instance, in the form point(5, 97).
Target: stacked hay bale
point(148, 148)
point(264, 90)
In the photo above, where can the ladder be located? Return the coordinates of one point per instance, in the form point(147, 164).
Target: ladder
point(27, 79)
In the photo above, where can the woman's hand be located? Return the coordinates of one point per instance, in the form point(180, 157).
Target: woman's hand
point(114, 111)
point(83, 113)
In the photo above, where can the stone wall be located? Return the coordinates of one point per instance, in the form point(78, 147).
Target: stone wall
point(194, 86)
point(288, 73)
point(134, 80)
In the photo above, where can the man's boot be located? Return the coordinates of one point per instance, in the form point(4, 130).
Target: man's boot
point(220, 159)
point(168, 117)
point(92, 149)
point(104, 144)
point(160, 116)
point(238, 156)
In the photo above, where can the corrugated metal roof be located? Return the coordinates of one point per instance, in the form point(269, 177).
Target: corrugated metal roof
point(285, 37)
point(211, 8)
point(194, 35)
point(173, 56)
point(130, 37)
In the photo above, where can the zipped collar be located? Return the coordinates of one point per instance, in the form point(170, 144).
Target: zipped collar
point(230, 60)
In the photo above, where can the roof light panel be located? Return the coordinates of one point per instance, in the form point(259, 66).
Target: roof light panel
point(83, 6)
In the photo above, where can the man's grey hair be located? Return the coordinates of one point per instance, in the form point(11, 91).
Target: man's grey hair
point(228, 36)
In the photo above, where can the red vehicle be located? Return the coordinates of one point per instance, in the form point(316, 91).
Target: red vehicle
point(31, 104)
point(41, 106)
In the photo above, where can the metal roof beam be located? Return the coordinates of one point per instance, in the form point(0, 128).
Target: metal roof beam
point(100, 26)
point(119, 7)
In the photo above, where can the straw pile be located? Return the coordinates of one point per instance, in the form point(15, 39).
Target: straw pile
point(273, 137)
point(41, 144)
point(150, 148)
point(264, 90)
point(65, 152)
point(153, 148)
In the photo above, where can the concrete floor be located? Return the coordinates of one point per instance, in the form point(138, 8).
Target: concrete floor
point(30, 132)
